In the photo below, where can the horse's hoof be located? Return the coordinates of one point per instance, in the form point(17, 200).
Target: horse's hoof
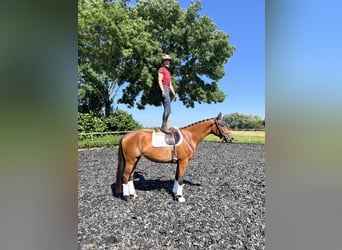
point(180, 199)
point(133, 196)
point(125, 197)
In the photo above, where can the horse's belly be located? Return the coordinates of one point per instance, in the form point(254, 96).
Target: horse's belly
point(162, 155)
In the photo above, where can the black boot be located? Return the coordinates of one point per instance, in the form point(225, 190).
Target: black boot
point(164, 127)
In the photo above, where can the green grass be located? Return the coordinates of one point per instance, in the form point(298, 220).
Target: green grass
point(99, 141)
point(257, 137)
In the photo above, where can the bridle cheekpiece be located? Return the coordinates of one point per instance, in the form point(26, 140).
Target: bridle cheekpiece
point(222, 135)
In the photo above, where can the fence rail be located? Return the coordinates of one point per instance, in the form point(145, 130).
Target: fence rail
point(102, 133)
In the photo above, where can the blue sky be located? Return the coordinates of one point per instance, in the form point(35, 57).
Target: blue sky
point(244, 82)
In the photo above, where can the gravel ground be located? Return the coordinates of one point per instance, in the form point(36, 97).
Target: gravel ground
point(224, 208)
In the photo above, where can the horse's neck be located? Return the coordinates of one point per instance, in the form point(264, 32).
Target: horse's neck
point(199, 131)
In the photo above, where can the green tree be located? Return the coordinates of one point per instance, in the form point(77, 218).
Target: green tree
point(121, 121)
point(120, 46)
point(88, 122)
point(198, 48)
point(242, 121)
point(112, 48)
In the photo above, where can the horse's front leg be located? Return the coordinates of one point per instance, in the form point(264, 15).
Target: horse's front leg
point(178, 183)
point(128, 190)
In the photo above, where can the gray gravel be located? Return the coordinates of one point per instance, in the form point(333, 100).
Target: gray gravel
point(224, 208)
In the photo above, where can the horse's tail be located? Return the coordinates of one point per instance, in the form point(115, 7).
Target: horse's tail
point(120, 169)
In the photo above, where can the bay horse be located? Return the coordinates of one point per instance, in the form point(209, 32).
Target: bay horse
point(137, 143)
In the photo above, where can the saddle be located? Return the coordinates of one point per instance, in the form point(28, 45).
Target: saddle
point(161, 139)
point(170, 139)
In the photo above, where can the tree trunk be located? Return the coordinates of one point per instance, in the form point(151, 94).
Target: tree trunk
point(107, 100)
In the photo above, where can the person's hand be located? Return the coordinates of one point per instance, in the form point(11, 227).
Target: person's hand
point(174, 98)
point(163, 94)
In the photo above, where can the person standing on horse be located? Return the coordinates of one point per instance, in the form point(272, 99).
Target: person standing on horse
point(165, 85)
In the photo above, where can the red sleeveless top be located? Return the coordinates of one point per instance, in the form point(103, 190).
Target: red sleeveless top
point(167, 76)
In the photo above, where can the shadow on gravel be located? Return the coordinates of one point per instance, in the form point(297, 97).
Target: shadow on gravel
point(141, 183)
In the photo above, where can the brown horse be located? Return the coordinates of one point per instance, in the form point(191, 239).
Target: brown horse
point(137, 143)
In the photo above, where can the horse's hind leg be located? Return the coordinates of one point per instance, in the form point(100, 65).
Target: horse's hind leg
point(131, 189)
point(127, 183)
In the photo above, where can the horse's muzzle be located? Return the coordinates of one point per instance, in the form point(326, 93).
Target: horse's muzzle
point(227, 139)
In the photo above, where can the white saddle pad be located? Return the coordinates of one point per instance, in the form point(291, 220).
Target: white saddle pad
point(158, 140)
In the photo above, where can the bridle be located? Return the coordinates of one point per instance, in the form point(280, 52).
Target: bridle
point(222, 135)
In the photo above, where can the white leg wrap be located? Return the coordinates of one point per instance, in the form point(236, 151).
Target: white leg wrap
point(131, 188)
point(177, 189)
point(180, 190)
point(125, 191)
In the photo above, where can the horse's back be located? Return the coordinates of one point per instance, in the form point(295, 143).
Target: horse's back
point(140, 132)
point(137, 136)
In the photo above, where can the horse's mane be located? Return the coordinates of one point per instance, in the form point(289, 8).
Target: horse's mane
point(195, 123)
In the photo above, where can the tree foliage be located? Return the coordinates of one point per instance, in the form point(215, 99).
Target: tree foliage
point(120, 120)
point(120, 46)
point(111, 46)
point(243, 121)
point(88, 122)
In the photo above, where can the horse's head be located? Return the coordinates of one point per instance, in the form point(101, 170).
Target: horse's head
point(222, 129)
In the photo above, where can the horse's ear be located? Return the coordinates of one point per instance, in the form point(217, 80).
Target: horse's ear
point(219, 117)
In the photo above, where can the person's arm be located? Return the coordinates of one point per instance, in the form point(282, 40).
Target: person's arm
point(172, 91)
point(160, 82)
